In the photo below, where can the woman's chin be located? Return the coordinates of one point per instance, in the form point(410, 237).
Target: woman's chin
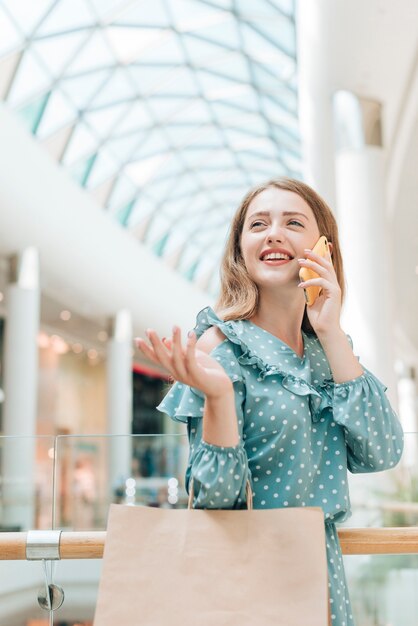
point(282, 285)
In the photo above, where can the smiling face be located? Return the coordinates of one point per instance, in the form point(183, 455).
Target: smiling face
point(278, 224)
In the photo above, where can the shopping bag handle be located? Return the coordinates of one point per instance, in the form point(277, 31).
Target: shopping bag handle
point(248, 490)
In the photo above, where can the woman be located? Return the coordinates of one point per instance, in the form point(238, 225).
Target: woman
point(285, 403)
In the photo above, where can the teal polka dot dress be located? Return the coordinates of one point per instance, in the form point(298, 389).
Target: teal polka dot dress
point(299, 434)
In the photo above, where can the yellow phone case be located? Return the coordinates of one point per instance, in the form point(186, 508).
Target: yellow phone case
point(311, 293)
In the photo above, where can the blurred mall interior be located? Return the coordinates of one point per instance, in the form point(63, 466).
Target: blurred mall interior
point(129, 133)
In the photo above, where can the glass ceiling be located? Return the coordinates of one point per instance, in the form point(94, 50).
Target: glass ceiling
point(165, 111)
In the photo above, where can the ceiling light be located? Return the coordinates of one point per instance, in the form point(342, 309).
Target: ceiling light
point(65, 315)
point(59, 345)
point(43, 340)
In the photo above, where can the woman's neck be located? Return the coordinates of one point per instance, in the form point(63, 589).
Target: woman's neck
point(282, 317)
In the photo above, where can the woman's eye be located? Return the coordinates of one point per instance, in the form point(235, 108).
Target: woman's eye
point(259, 223)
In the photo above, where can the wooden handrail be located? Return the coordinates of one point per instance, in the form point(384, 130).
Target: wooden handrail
point(90, 544)
point(379, 540)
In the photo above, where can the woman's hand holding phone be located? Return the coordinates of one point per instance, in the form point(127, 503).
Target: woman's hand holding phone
point(187, 365)
point(321, 248)
point(322, 290)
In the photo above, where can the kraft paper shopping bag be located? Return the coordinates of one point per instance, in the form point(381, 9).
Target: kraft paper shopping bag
point(183, 567)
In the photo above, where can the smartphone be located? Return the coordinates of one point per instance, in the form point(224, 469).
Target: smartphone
point(311, 293)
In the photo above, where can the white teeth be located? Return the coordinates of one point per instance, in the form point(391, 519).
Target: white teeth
point(276, 255)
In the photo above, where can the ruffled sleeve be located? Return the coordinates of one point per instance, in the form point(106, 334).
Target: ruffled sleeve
point(183, 402)
point(219, 473)
point(373, 432)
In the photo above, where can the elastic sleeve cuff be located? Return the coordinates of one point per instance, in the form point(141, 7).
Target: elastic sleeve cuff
point(215, 448)
point(365, 383)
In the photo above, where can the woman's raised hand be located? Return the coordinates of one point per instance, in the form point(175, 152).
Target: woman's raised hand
point(188, 365)
point(324, 314)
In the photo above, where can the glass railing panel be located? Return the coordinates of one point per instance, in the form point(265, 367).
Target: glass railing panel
point(26, 487)
point(80, 581)
point(383, 589)
point(92, 472)
point(19, 585)
point(26, 482)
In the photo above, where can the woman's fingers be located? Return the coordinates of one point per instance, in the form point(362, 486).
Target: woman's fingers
point(160, 350)
point(190, 358)
point(312, 265)
point(325, 271)
point(180, 362)
point(177, 354)
point(144, 347)
point(323, 261)
point(320, 282)
point(313, 282)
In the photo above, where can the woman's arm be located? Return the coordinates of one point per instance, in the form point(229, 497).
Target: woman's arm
point(342, 361)
point(220, 424)
point(324, 316)
point(373, 432)
point(372, 429)
point(219, 472)
point(208, 386)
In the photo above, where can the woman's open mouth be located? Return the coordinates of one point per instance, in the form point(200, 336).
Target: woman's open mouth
point(275, 258)
point(276, 261)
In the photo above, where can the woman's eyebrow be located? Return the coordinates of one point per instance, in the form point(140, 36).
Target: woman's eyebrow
point(295, 213)
point(267, 213)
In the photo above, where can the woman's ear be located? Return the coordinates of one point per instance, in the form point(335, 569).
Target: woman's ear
point(330, 246)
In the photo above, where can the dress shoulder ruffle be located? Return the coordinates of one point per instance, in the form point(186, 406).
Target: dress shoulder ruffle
point(320, 396)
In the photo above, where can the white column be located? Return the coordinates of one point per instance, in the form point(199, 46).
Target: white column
point(20, 389)
point(364, 234)
point(315, 77)
point(119, 398)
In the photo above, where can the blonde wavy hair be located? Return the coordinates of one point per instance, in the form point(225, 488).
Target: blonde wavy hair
point(239, 296)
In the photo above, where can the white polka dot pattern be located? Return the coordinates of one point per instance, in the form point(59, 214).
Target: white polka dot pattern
point(299, 433)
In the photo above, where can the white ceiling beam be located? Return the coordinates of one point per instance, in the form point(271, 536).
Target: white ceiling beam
point(89, 263)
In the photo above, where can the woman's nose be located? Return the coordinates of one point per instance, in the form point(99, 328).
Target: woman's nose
point(277, 235)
